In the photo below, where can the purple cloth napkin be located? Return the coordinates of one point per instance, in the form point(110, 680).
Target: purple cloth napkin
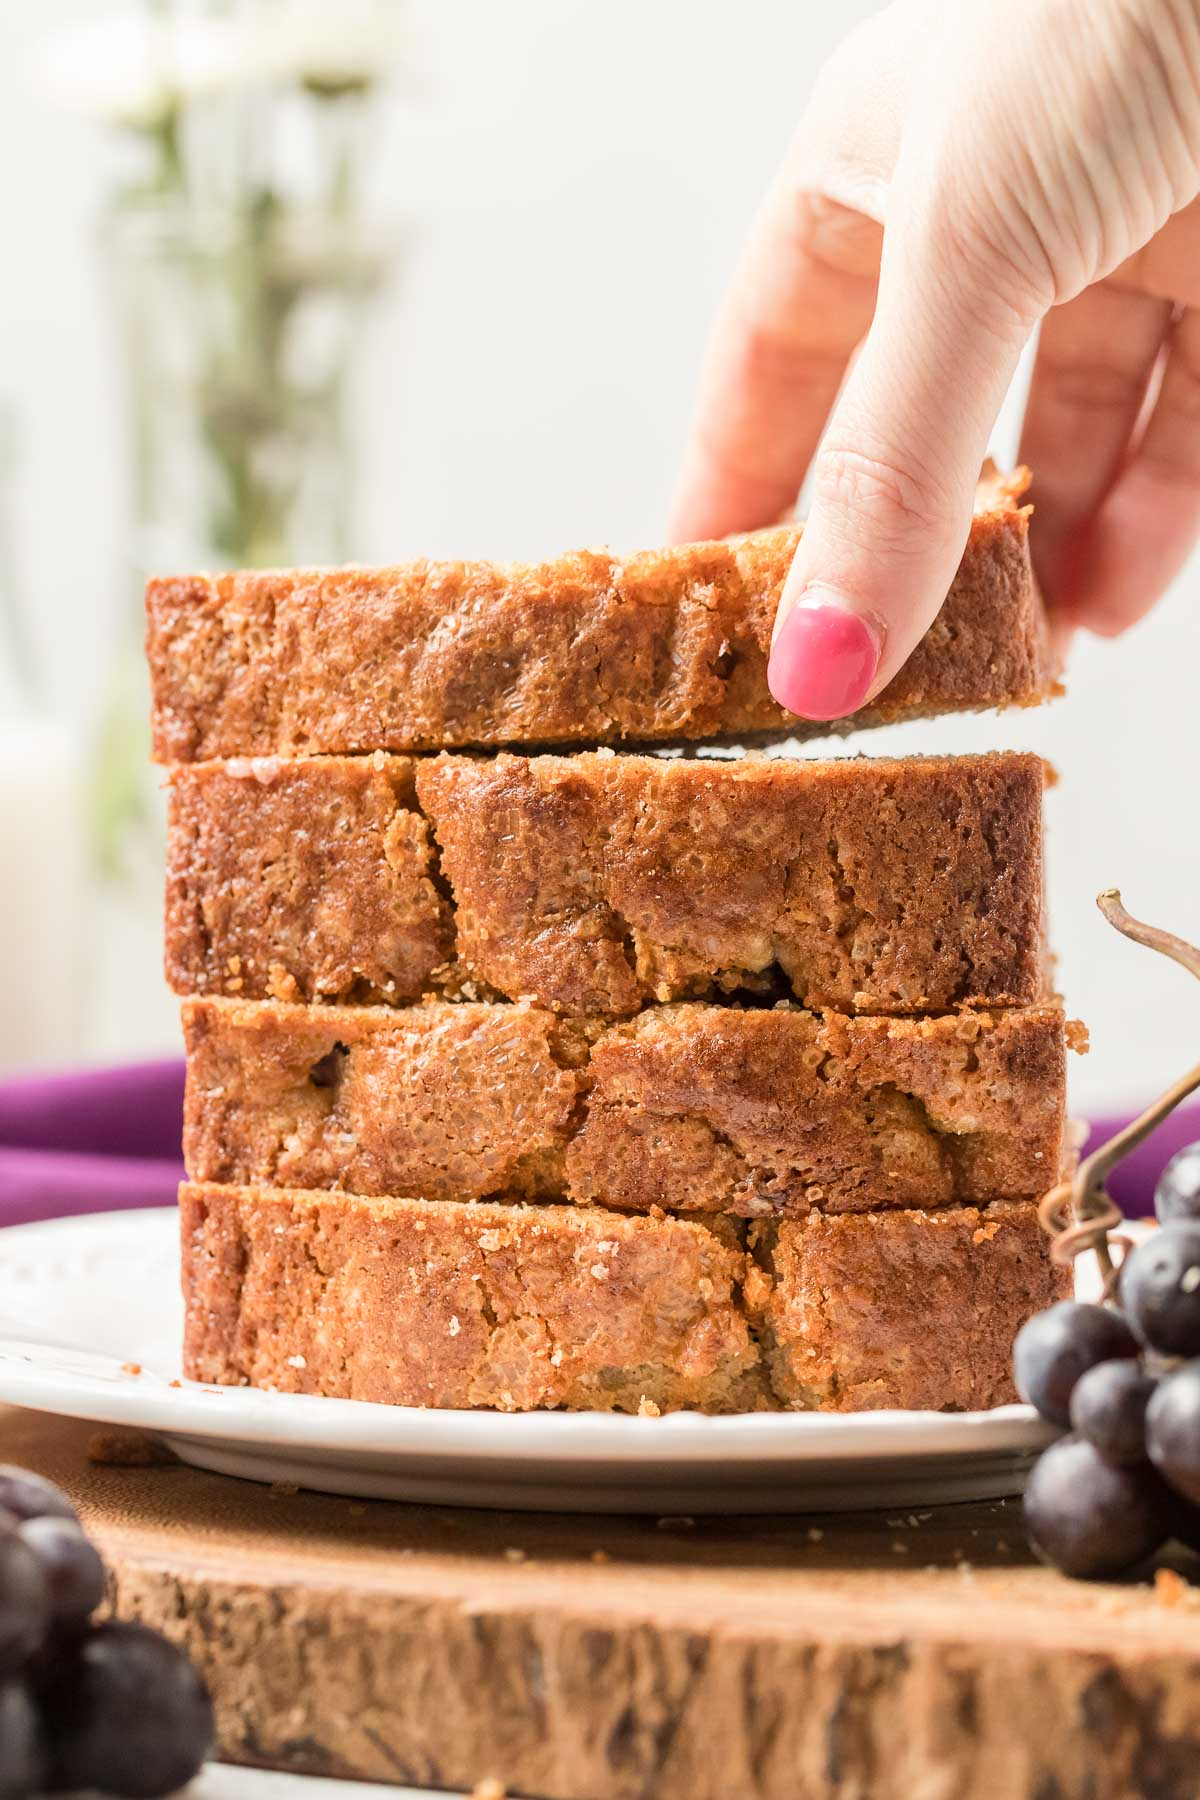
point(90, 1142)
point(1135, 1177)
point(110, 1138)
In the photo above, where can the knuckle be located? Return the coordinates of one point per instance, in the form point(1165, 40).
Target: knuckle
point(839, 79)
point(985, 231)
point(1092, 387)
point(840, 239)
point(998, 250)
point(903, 511)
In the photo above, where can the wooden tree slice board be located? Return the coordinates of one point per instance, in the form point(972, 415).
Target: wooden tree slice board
point(924, 1658)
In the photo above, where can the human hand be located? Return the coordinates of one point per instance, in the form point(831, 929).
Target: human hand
point(962, 173)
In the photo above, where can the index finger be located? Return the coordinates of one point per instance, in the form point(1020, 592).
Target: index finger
point(800, 303)
point(803, 293)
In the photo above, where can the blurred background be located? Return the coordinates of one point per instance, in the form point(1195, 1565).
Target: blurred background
point(326, 281)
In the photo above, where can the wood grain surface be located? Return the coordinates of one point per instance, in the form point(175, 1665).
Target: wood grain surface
point(923, 1657)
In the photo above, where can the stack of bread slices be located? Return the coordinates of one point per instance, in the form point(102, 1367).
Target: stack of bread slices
point(528, 1069)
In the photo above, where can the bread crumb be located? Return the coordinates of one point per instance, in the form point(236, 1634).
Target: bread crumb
point(1078, 1037)
point(985, 1233)
point(1170, 1589)
point(129, 1450)
point(281, 983)
point(649, 1409)
point(131, 1368)
point(757, 1288)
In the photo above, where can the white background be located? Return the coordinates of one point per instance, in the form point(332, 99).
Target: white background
point(571, 182)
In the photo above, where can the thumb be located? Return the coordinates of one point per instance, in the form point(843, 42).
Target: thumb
point(894, 481)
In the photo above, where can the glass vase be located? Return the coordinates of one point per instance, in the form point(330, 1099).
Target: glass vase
point(240, 334)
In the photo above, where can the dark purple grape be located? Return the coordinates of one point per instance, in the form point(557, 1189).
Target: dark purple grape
point(22, 1762)
point(1089, 1519)
point(1173, 1430)
point(24, 1604)
point(1055, 1347)
point(1160, 1289)
point(1177, 1195)
point(1108, 1408)
point(126, 1713)
point(72, 1567)
point(31, 1496)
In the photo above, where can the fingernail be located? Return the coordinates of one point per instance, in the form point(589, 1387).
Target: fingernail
point(824, 657)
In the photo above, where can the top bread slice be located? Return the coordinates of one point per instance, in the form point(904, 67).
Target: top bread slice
point(664, 646)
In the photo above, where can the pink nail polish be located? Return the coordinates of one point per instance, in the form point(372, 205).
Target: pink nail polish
point(824, 659)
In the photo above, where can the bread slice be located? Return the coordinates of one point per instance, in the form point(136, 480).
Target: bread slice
point(436, 1303)
point(689, 1108)
point(669, 645)
point(596, 883)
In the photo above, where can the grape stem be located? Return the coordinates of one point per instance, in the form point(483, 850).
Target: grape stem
point(1165, 942)
point(1079, 1214)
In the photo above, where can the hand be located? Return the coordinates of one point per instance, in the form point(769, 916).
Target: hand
point(962, 173)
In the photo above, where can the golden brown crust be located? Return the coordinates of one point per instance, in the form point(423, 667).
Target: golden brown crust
point(912, 1309)
point(596, 883)
point(690, 1108)
point(432, 1303)
point(666, 645)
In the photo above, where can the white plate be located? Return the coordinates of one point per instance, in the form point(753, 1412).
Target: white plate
point(82, 1299)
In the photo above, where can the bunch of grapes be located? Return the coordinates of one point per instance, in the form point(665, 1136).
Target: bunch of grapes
point(82, 1705)
point(1126, 1379)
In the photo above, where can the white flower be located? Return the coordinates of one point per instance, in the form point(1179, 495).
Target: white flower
point(130, 68)
point(350, 44)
